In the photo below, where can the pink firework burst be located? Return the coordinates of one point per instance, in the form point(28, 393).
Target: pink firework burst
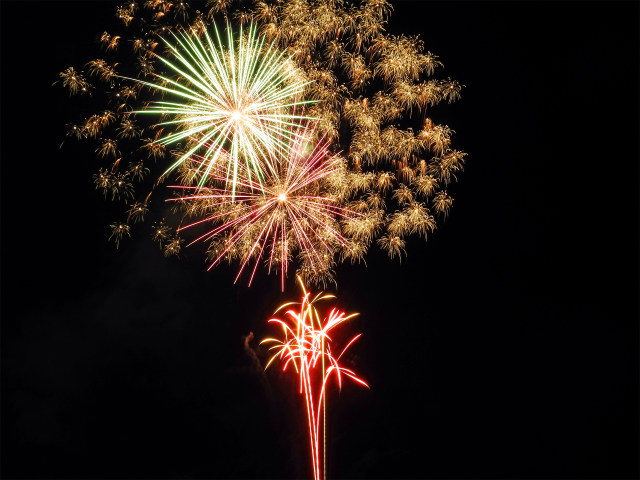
point(292, 210)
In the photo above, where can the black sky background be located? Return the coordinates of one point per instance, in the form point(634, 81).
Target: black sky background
point(504, 347)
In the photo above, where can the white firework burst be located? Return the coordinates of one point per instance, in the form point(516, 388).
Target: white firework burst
point(235, 104)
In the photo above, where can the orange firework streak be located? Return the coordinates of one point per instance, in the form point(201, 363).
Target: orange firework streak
point(307, 346)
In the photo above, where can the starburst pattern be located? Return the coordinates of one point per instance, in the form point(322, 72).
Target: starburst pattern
point(234, 103)
point(306, 345)
point(291, 211)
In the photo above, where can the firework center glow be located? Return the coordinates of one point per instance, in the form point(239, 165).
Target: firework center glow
point(237, 117)
point(282, 197)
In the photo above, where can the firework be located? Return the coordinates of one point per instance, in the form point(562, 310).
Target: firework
point(233, 103)
point(306, 345)
point(226, 98)
point(291, 210)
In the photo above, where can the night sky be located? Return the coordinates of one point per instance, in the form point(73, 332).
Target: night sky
point(504, 347)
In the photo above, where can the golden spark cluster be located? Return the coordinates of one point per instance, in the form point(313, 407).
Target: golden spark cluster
point(365, 94)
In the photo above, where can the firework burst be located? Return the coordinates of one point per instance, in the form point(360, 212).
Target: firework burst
point(233, 104)
point(290, 211)
point(227, 98)
point(306, 345)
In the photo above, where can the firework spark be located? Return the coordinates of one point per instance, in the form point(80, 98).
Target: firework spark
point(289, 211)
point(306, 345)
point(234, 103)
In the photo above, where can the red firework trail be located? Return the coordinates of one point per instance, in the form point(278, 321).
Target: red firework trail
point(306, 344)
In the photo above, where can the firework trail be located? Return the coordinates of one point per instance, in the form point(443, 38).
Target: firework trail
point(306, 345)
